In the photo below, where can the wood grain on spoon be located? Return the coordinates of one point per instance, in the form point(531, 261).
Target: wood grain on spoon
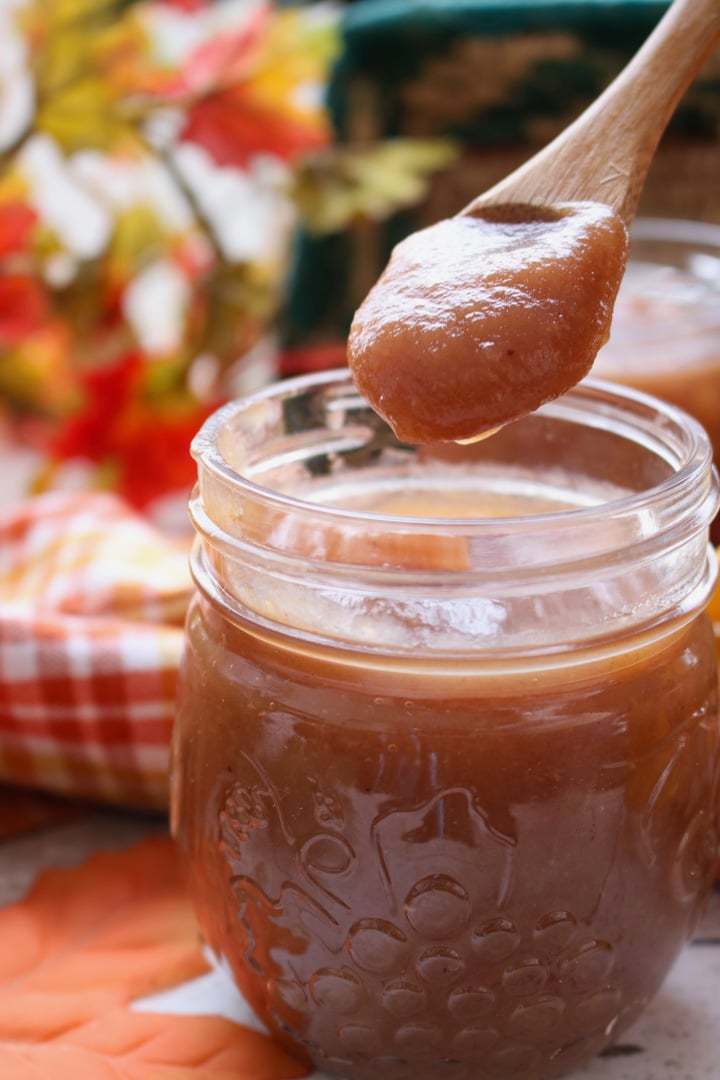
point(483, 317)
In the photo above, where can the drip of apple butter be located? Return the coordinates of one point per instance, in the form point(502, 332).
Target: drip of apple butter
point(483, 317)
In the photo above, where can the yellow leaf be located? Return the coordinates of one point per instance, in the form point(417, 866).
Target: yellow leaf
point(62, 36)
point(83, 116)
point(55, 13)
point(13, 186)
point(123, 55)
point(58, 60)
point(138, 238)
point(39, 372)
point(296, 51)
point(350, 183)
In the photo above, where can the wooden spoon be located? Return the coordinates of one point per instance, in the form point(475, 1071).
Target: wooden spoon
point(605, 154)
point(483, 317)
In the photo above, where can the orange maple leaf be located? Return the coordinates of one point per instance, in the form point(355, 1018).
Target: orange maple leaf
point(233, 128)
point(81, 947)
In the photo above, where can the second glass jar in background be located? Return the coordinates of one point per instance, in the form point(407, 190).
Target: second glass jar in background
point(665, 336)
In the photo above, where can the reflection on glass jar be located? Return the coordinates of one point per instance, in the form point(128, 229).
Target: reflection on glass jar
point(445, 777)
point(665, 336)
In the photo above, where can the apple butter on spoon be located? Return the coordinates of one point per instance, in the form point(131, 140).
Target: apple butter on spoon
point(483, 317)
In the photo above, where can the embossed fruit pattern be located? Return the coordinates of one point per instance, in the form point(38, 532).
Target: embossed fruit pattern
point(439, 969)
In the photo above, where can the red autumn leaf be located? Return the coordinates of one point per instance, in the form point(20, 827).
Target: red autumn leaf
point(155, 454)
point(144, 443)
point(225, 57)
point(317, 357)
point(247, 89)
point(188, 6)
point(233, 129)
point(17, 221)
point(23, 307)
point(107, 392)
point(81, 947)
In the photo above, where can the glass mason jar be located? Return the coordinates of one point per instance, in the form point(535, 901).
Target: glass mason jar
point(665, 335)
point(445, 778)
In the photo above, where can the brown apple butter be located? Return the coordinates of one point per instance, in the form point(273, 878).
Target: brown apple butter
point(481, 318)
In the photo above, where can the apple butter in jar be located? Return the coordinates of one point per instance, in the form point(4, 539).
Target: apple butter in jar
point(665, 334)
point(445, 767)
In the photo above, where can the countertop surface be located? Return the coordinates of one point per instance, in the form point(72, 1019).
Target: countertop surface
point(676, 1039)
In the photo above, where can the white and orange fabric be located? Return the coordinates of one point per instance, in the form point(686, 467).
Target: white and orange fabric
point(92, 602)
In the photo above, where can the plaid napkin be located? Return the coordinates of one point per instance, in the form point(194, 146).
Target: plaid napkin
point(92, 601)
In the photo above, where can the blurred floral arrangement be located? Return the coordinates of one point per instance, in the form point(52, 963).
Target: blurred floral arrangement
point(157, 156)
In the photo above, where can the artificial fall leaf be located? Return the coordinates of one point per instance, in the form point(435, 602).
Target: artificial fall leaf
point(94, 938)
point(23, 307)
point(296, 54)
point(59, 55)
point(226, 56)
point(59, 12)
point(155, 456)
point(62, 36)
point(273, 55)
point(81, 947)
point(141, 443)
point(17, 221)
point(346, 184)
point(192, 253)
point(138, 237)
point(37, 372)
point(107, 393)
point(256, 104)
point(187, 6)
point(83, 116)
point(233, 129)
point(124, 55)
point(235, 300)
point(90, 60)
point(142, 1046)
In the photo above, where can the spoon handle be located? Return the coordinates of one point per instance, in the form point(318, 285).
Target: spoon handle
point(605, 154)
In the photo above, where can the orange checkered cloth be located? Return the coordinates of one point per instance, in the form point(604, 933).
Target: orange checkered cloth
point(92, 602)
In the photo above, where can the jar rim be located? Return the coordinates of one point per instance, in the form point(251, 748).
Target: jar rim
point(686, 449)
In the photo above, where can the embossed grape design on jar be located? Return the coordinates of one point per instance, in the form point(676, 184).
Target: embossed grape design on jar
point(445, 769)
